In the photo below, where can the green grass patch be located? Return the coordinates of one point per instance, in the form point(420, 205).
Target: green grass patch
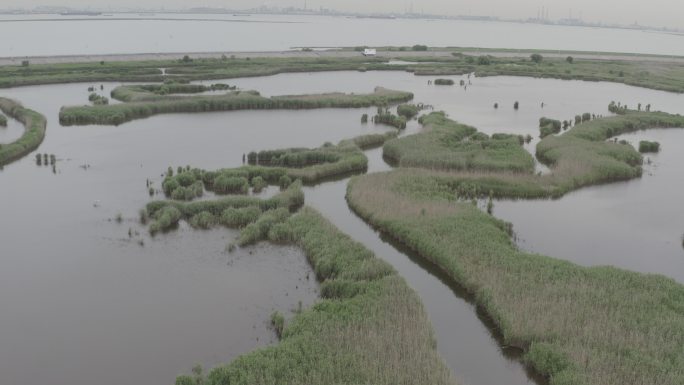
point(34, 131)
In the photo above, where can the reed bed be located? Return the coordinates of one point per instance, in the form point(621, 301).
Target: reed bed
point(369, 328)
point(447, 145)
point(117, 114)
point(34, 131)
point(576, 325)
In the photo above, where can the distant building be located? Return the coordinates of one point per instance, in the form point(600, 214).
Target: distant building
point(370, 52)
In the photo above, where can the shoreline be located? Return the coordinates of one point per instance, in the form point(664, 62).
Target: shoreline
point(337, 53)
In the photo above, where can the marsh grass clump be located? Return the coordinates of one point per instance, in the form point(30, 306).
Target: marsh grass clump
point(98, 100)
point(203, 220)
point(239, 217)
point(258, 184)
point(278, 323)
point(259, 230)
point(646, 146)
point(384, 116)
point(165, 219)
point(225, 184)
point(408, 111)
point(444, 82)
point(549, 127)
point(3, 120)
point(364, 118)
point(34, 132)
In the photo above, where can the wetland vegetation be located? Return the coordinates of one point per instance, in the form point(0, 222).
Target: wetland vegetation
point(116, 114)
point(576, 325)
point(34, 131)
point(646, 73)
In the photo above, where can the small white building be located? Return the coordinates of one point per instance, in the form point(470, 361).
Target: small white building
point(369, 52)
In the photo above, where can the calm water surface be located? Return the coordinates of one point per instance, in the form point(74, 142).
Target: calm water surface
point(81, 298)
point(125, 33)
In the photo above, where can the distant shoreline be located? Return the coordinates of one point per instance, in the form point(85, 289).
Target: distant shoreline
point(338, 53)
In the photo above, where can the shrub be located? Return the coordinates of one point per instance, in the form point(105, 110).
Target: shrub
point(536, 58)
point(484, 60)
point(419, 47)
point(569, 59)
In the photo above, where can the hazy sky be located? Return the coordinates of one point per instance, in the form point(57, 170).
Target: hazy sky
point(652, 12)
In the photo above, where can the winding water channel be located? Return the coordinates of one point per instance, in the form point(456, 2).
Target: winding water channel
point(80, 297)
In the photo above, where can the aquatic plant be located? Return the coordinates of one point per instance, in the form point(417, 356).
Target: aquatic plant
point(646, 146)
point(548, 127)
point(443, 82)
point(350, 335)
point(117, 114)
point(536, 302)
point(34, 131)
point(3, 120)
point(408, 111)
point(448, 145)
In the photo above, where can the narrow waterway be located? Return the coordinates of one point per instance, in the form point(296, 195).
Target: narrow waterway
point(464, 338)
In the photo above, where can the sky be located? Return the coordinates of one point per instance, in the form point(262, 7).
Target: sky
point(653, 12)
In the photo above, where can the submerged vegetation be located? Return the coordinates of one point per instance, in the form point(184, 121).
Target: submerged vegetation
point(236, 100)
point(34, 131)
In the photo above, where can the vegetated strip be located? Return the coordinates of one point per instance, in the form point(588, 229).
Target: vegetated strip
point(34, 131)
point(643, 73)
point(275, 167)
point(237, 100)
point(576, 325)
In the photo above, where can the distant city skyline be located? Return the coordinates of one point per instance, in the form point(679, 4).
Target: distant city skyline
point(654, 13)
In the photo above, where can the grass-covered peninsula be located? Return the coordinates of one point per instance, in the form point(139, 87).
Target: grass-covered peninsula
point(34, 131)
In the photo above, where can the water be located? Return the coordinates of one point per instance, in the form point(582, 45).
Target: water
point(37, 35)
point(12, 132)
point(81, 298)
point(636, 225)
